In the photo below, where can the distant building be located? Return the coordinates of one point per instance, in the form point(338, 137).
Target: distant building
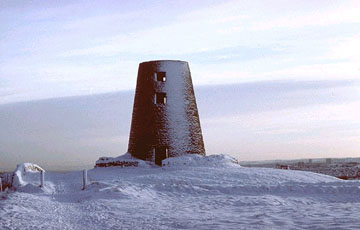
point(301, 164)
point(281, 166)
point(165, 119)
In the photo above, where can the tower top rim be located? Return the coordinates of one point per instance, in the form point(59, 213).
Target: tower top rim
point(159, 61)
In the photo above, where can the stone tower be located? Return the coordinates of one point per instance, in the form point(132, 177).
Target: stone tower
point(165, 119)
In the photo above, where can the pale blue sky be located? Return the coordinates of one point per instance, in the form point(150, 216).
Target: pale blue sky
point(51, 48)
point(296, 62)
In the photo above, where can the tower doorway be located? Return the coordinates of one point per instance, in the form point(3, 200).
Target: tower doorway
point(161, 153)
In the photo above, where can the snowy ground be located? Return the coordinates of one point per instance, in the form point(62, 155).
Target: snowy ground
point(189, 193)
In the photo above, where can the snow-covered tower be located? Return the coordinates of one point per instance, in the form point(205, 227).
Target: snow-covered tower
point(165, 119)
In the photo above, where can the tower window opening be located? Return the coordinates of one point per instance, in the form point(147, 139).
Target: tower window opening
point(160, 98)
point(160, 76)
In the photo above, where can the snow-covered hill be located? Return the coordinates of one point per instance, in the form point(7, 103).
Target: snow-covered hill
point(190, 192)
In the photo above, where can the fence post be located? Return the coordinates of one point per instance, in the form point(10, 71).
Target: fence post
point(0, 185)
point(42, 178)
point(84, 179)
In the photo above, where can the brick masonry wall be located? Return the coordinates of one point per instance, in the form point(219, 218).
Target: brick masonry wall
point(175, 124)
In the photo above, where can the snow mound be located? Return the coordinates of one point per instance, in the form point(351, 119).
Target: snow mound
point(26, 178)
point(30, 188)
point(191, 192)
point(125, 160)
point(22, 170)
point(201, 161)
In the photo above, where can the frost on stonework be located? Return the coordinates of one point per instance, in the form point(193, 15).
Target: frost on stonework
point(165, 120)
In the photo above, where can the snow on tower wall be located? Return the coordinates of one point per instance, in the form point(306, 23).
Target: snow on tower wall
point(165, 120)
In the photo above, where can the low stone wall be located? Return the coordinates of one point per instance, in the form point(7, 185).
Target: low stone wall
point(118, 163)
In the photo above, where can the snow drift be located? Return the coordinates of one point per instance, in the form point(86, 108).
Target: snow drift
point(27, 177)
point(195, 160)
point(192, 192)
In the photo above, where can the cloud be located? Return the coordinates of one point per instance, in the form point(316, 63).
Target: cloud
point(305, 132)
point(347, 48)
point(219, 26)
point(333, 13)
point(65, 49)
point(259, 120)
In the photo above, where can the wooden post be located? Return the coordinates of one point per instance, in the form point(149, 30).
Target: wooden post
point(42, 178)
point(84, 179)
point(0, 185)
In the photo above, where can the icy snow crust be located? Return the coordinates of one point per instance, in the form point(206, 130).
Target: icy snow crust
point(189, 192)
